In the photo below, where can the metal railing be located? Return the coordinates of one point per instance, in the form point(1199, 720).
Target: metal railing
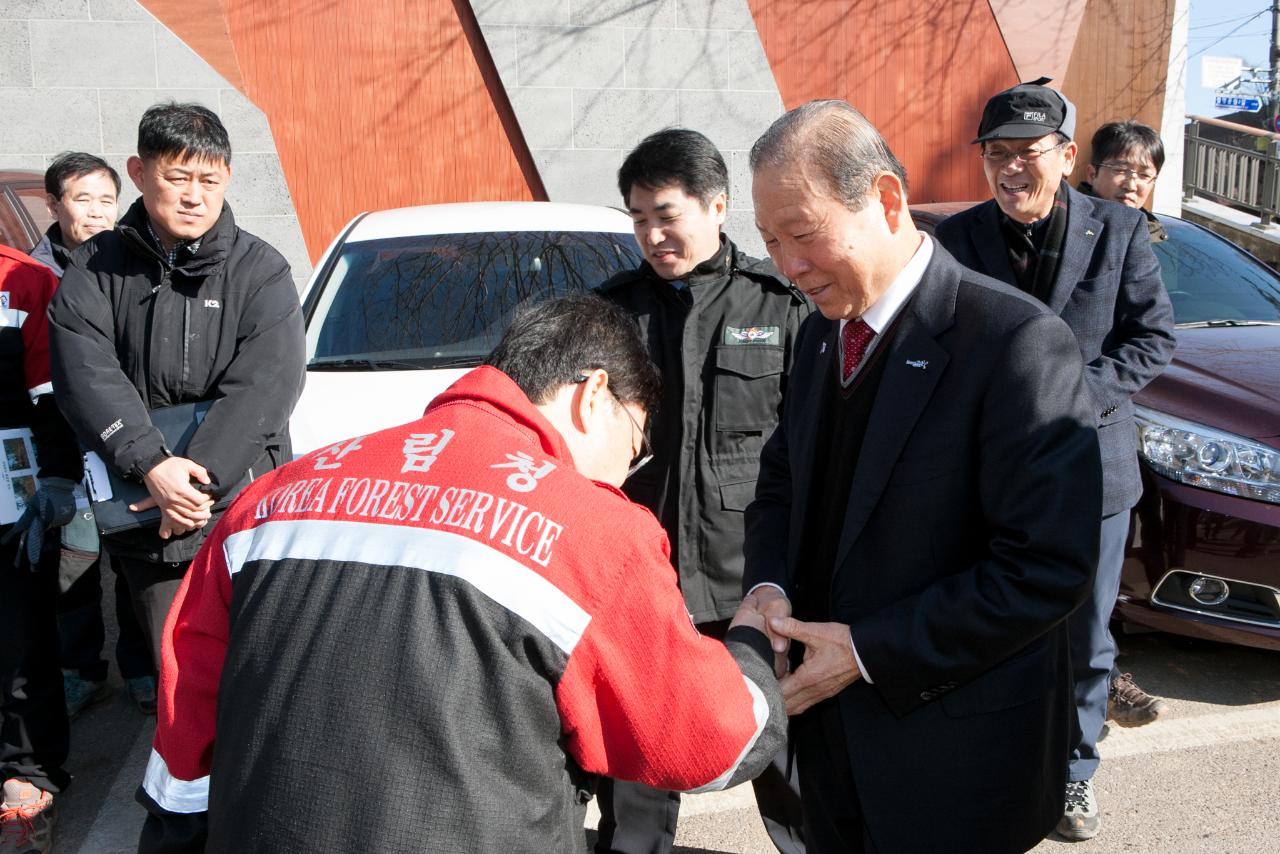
point(1247, 178)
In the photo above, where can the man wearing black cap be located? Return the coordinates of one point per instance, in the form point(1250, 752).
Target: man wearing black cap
point(1091, 262)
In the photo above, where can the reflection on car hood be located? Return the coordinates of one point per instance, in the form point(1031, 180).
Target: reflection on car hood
point(1227, 377)
point(337, 406)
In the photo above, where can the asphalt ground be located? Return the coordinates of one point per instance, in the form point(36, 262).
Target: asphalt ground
point(1204, 778)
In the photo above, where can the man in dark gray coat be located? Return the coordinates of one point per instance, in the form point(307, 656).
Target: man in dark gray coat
point(926, 510)
point(177, 306)
point(1090, 262)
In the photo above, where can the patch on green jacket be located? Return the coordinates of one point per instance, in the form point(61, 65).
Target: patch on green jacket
point(751, 335)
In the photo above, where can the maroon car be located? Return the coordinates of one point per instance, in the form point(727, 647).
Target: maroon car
point(1204, 545)
point(1204, 548)
point(23, 213)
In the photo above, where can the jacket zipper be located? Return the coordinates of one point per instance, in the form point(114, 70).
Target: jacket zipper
point(186, 342)
point(151, 332)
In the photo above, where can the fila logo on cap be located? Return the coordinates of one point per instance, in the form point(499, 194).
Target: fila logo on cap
point(1033, 116)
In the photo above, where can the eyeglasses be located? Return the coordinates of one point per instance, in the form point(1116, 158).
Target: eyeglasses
point(646, 449)
point(1122, 170)
point(1001, 156)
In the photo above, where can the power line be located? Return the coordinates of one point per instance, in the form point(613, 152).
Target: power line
point(1228, 35)
point(1237, 35)
point(1225, 21)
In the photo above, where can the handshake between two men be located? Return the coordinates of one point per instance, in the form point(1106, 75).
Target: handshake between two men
point(829, 664)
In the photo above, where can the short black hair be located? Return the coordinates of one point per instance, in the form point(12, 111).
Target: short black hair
point(551, 344)
point(675, 157)
point(70, 165)
point(1116, 139)
point(183, 132)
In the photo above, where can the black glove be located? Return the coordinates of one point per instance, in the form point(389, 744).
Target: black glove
point(53, 505)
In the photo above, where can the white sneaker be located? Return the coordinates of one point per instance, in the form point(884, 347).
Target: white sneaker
point(1080, 819)
point(26, 819)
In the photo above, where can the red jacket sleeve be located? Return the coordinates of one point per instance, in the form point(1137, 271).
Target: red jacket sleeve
point(28, 289)
point(645, 697)
point(194, 647)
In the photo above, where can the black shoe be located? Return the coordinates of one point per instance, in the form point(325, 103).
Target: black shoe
point(81, 693)
point(143, 691)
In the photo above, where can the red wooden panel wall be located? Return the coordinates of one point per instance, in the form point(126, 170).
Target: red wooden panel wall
point(920, 71)
point(1120, 66)
point(202, 25)
point(372, 103)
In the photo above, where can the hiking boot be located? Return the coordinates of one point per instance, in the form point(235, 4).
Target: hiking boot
point(142, 690)
point(1080, 819)
point(26, 819)
point(82, 693)
point(1128, 705)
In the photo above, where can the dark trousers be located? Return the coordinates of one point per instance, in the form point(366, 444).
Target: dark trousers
point(34, 734)
point(638, 819)
point(1093, 650)
point(833, 822)
point(152, 587)
point(82, 634)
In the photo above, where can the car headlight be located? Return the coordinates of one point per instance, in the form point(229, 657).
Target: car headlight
point(1211, 459)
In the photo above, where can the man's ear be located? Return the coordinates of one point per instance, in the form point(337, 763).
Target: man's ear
point(1091, 173)
point(719, 207)
point(1069, 152)
point(892, 198)
point(51, 202)
point(134, 167)
point(588, 395)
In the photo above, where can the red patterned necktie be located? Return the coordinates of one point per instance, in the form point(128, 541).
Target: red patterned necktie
point(854, 340)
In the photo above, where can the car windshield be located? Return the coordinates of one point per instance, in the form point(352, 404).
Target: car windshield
point(1211, 282)
point(444, 300)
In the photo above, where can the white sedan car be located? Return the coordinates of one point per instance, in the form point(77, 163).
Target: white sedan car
point(405, 301)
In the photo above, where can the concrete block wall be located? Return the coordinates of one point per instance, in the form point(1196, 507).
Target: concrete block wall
point(588, 79)
point(78, 74)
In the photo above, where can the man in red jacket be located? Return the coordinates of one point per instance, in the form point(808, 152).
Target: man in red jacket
point(429, 638)
point(42, 463)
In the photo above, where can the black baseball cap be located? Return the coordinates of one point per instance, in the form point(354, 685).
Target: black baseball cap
point(1027, 111)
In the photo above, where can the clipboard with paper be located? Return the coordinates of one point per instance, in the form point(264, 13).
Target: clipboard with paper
point(112, 494)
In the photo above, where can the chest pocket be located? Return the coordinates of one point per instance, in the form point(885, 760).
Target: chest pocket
point(748, 386)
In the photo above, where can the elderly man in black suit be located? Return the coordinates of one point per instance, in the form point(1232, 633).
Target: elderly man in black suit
point(1090, 262)
point(927, 506)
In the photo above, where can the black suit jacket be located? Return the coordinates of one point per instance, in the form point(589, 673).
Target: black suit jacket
point(1109, 291)
point(970, 534)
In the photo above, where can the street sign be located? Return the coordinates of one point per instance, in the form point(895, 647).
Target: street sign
point(1218, 71)
point(1237, 102)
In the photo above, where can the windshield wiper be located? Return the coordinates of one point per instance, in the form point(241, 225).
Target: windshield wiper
point(427, 364)
point(363, 365)
point(461, 362)
point(1201, 324)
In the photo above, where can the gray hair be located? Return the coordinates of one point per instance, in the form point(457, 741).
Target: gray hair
point(838, 141)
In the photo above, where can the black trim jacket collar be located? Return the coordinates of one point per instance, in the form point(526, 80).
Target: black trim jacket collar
point(211, 248)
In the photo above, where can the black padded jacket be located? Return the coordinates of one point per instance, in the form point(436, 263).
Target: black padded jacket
point(130, 333)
